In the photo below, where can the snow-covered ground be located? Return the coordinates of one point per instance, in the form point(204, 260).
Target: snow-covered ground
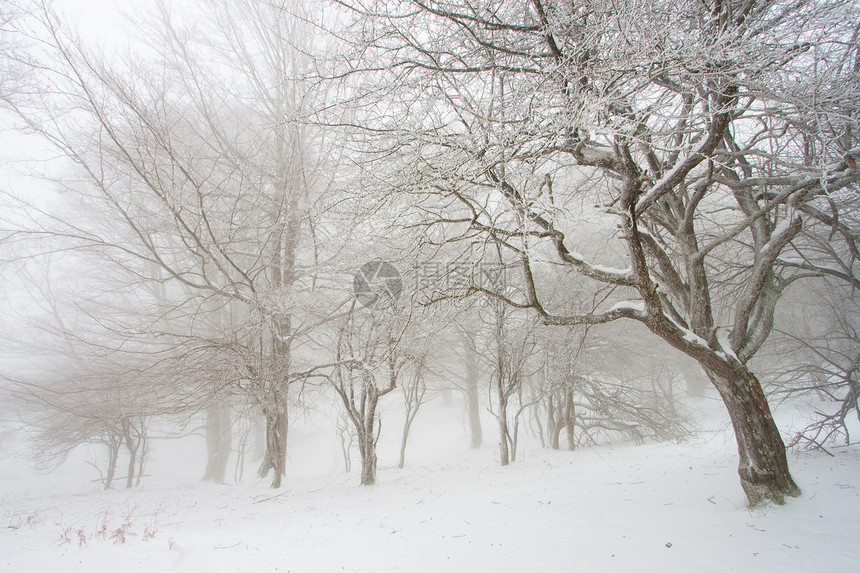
point(656, 507)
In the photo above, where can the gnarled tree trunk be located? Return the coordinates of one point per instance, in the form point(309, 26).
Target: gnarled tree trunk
point(763, 467)
point(275, 456)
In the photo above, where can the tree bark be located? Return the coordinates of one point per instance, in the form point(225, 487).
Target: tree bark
point(514, 438)
point(504, 451)
point(553, 425)
point(275, 457)
point(406, 426)
point(276, 406)
point(132, 444)
point(113, 458)
point(343, 432)
point(569, 419)
point(361, 411)
point(142, 455)
point(502, 385)
point(472, 399)
point(763, 466)
point(403, 440)
point(367, 441)
point(367, 448)
point(474, 406)
point(218, 442)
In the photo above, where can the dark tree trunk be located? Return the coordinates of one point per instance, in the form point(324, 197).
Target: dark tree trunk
point(763, 467)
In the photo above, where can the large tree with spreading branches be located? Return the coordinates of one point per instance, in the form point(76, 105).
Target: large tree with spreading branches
point(671, 152)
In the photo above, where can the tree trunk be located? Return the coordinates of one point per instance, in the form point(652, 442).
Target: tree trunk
point(218, 442)
point(276, 405)
point(402, 461)
point(142, 455)
point(472, 399)
point(502, 383)
point(504, 452)
point(132, 446)
point(345, 435)
point(474, 412)
point(404, 438)
point(763, 467)
point(113, 458)
point(367, 442)
point(132, 464)
point(556, 435)
point(275, 457)
point(514, 439)
point(258, 437)
point(569, 419)
point(540, 431)
point(347, 462)
point(367, 448)
point(554, 424)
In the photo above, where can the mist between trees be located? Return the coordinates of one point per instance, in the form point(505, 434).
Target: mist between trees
point(670, 189)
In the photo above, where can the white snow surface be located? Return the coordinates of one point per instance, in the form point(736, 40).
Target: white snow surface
point(637, 305)
point(657, 507)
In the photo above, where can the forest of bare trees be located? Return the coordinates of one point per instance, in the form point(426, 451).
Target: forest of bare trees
point(569, 215)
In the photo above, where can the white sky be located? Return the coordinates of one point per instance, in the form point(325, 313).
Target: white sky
point(96, 19)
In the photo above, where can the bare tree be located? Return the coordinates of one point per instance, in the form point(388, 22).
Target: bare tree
point(346, 434)
point(815, 356)
point(83, 385)
point(688, 125)
point(414, 388)
point(200, 159)
point(367, 350)
point(470, 363)
point(511, 346)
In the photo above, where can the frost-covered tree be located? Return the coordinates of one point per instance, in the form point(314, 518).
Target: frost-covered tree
point(372, 353)
point(195, 151)
point(672, 152)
